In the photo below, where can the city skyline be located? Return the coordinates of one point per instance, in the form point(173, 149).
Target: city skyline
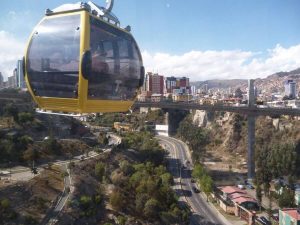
point(202, 40)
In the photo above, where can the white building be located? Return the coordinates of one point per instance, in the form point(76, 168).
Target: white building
point(290, 88)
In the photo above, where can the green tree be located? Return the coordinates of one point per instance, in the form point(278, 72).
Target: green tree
point(198, 171)
point(85, 202)
point(126, 167)
point(11, 110)
point(259, 195)
point(5, 203)
point(140, 201)
point(100, 170)
point(206, 184)
point(24, 117)
point(167, 179)
point(151, 209)
point(52, 145)
point(287, 198)
point(122, 220)
point(116, 200)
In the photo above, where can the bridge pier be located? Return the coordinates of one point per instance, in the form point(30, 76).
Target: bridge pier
point(251, 147)
point(251, 131)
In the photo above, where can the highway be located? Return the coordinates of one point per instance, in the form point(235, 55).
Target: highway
point(203, 212)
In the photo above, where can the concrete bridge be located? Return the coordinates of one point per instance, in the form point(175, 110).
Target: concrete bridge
point(251, 110)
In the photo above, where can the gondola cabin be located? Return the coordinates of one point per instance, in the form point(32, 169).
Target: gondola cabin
point(79, 60)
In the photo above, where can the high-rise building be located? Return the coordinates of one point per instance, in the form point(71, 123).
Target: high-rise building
point(20, 75)
point(290, 88)
point(1, 80)
point(155, 83)
point(12, 80)
point(205, 88)
point(175, 83)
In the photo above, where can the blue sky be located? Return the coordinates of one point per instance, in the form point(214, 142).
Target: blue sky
point(243, 34)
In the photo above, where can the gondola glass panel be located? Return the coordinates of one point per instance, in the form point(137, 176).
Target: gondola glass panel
point(116, 63)
point(53, 57)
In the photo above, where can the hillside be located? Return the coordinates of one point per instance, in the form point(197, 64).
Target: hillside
point(221, 84)
point(272, 83)
point(226, 150)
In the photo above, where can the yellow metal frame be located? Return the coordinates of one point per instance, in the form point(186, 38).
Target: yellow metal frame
point(82, 104)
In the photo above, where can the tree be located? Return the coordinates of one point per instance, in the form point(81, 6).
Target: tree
point(52, 145)
point(259, 195)
point(140, 201)
point(167, 179)
point(85, 202)
point(198, 171)
point(126, 167)
point(116, 200)
point(11, 110)
point(287, 198)
point(25, 117)
point(31, 154)
point(5, 204)
point(206, 184)
point(99, 170)
point(122, 220)
point(151, 209)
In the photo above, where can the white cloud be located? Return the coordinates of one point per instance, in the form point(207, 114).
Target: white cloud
point(11, 50)
point(204, 65)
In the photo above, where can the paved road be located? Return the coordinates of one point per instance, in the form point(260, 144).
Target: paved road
point(203, 213)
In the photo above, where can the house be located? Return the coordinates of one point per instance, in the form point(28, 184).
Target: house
point(289, 216)
point(239, 197)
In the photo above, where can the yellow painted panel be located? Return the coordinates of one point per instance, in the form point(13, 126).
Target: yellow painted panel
point(58, 104)
point(107, 106)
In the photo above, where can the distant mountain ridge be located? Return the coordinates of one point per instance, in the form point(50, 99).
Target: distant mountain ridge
point(272, 83)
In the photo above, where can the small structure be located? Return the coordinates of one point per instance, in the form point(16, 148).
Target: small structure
point(289, 216)
point(162, 130)
point(156, 97)
point(123, 126)
point(234, 200)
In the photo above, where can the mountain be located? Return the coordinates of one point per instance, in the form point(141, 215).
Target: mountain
point(221, 84)
point(275, 82)
point(272, 83)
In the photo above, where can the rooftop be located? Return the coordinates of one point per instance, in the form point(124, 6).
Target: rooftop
point(231, 190)
point(292, 213)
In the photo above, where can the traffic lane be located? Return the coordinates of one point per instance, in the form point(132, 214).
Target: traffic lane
point(197, 203)
point(174, 168)
point(200, 203)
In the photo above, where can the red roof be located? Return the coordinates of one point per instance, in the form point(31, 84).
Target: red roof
point(231, 190)
point(237, 195)
point(243, 199)
point(293, 213)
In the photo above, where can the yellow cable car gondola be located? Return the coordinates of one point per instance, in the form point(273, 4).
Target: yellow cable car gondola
point(79, 60)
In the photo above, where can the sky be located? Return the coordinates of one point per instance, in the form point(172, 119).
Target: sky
point(201, 39)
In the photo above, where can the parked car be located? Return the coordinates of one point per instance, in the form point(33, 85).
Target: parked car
point(275, 216)
point(250, 186)
point(196, 190)
point(241, 186)
point(263, 220)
